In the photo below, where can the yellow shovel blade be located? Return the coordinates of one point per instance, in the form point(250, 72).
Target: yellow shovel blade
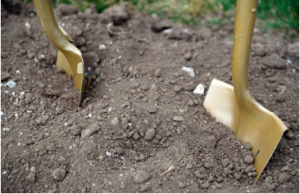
point(254, 124)
point(69, 57)
point(79, 78)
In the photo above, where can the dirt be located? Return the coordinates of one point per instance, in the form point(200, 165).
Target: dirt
point(141, 128)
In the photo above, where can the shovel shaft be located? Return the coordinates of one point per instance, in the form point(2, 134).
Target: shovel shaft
point(243, 31)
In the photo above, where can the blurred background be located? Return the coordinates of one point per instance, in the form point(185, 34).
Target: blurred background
point(279, 15)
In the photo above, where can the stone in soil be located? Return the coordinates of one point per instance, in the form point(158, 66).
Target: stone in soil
point(178, 118)
point(177, 88)
point(161, 25)
point(4, 76)
point(90, 130)
point(248, 159)
point(145, 188)
point(59, 174)
point(150, 134)
point(67, 9)
point(274, 61)
point(152, 109)
point(117, 14)
point(75, 130)
point(283, 177)
point(42, 120)
point(141, 176)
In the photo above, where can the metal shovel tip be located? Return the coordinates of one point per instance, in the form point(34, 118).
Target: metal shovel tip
point(253, 124)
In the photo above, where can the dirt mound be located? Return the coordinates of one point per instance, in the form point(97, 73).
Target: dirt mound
point(140, 116)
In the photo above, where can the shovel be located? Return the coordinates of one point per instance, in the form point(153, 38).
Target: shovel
point(69, 57)
point(235, 106)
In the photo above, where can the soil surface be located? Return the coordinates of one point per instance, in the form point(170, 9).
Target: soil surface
point(140, 116)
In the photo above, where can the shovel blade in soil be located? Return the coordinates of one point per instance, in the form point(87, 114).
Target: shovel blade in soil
point(69, 57)
point(254, 124)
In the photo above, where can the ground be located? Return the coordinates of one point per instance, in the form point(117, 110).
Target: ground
point(140, 116)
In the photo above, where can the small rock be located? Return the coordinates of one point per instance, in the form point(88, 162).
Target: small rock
point(200, 89)
point(157, 73)
point(67, 9)
point(51, 147)
point(4, 76)
point(189, 70)
point(117, 14)
point(283, 177)
point(75, 130)
point(177, 88)
point(274, 61)
point(181, 185)
point(211, 178)
point(248, 159)
point(90, 130)
point(42, 120)
point(80, 41)
point(31, 178)
point(141, 176)
point(150, 134)
point(152, 109)
point(237, 176)
point(136, 136)
point(178, 118)
point(285, 168)
point(189, 87)
point(145, 188)
point(161, 25)
point(59, 174)
point(189, 166)
point(124, 122)
point(205, 185)
point(247, 146)
point(188, 56)
point(115, 121)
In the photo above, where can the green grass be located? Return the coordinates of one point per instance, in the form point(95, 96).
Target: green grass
point(275, 14)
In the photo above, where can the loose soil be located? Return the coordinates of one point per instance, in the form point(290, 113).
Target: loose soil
point(139, 116)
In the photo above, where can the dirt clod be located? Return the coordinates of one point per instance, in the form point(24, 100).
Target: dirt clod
point(59, 174)
point(141, 176)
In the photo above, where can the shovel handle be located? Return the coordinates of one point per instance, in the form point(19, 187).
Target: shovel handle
point(243, 32)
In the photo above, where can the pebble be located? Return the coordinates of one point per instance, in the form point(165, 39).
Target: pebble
point(150, 134)
point(117, 14)
point(145, 188)
point(136, 136)
point(181, 185)
point(189, 87)
point(115, 121)
point(283, 177)
point(75, 130)
point(247, 146)
point(59, 174)
point(274, 61)
point(177, 88)
point(51, 147)
point(135, 85)
point(4, 76)
point(42, 120)
point(31, 177)
point(157, 73)
point(178, 118)
point(188, 56)
point(205, 185)
point(248, 159)
point(152, 109)
point(124, 122)
point(285, 168)
point(200, 89)
point(90, 130)
point(11, 84)
point(189, 70)
point(237, 176)
point(141, 176)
